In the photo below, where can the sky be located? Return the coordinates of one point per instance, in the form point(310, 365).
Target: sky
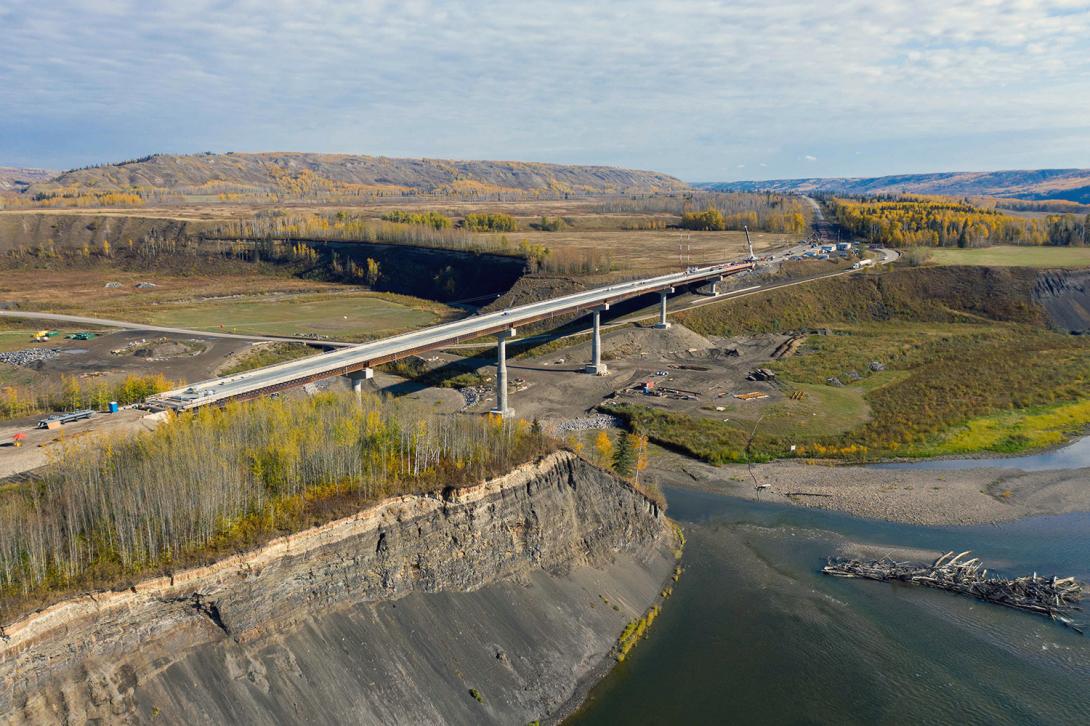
point(707, 91)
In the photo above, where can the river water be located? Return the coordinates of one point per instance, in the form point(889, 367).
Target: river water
point(754, 634)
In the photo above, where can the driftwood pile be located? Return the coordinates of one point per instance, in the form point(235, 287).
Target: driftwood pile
point(1058, 598)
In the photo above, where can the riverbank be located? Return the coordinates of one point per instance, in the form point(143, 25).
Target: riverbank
point(910, 496)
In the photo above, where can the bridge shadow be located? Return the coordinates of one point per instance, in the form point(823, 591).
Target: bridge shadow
point(418, 376)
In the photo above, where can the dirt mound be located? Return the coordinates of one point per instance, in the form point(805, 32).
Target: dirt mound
point(162, 348)
point(648, 342)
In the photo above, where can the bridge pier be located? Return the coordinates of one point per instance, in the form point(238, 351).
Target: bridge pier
point(662, 324)
point(357, 378)
point(501, 408)
point(596, 366)
point(711, 287)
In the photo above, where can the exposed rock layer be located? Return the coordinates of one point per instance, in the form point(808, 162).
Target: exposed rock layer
point(516, 587)
point(1065, 295)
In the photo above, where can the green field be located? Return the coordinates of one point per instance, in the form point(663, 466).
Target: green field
point(337, 316)
point(1009, 256)
point(17, 335)
point(947, 388)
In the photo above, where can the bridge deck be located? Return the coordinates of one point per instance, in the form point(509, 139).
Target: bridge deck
point(367, 355)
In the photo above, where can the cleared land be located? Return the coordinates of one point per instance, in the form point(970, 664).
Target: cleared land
point(1009, 256)
point(355, 316)
point(651, 251)
point(85, 291)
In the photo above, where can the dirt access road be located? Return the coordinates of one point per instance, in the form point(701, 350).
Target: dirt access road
point(127, 325)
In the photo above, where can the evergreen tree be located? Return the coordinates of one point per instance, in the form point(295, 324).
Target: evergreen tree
point(624, 455)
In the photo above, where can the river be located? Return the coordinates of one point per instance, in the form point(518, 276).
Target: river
point(755, 634)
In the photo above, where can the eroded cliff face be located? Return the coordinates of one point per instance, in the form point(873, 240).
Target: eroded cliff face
point(516, 588)
point(1065, 295)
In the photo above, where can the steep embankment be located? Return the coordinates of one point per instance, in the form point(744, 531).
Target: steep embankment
point(1065, 295)
point(434, 274)
point(516, 588)
point(32, 231)
point(929, 294)
point(169, 245)
point(307, 174)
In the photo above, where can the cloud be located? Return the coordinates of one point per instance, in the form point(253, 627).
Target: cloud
point(810, 157)
point(643, 83)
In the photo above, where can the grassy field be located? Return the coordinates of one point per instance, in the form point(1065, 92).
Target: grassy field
point(946, 389)
point(654, 250)
point(347, 316)
point(85, 292)
point(1014, 431)
point(1009, 256)
point(257, 304)
point(931, 294)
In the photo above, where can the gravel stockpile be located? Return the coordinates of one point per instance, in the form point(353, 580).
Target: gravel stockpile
point(590, 423)
point(470, 395)
point(28, 356)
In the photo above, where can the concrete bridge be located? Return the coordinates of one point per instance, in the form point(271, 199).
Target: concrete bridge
point(358, 362)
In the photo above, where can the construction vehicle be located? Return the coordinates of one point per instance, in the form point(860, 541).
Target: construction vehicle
point(749, 242)
point(80, 336)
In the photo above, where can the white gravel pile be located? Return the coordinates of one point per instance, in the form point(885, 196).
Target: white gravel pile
point(590, 423)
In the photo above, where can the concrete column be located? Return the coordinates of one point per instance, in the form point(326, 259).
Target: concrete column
point(501, 408)
point(596, 366)
point(662, 324)
point(711, 286)
point(358, 377)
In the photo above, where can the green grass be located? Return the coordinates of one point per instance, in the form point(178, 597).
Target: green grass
point(1010, 256)
point(947, 389)
point(897, 345)
point(1013, 431)
point(16, 375)
point(18, 338)
point(337, 316)
point(932, 294)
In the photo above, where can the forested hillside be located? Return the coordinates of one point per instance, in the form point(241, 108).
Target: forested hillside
point(935, 222)
point(1069, 184)
point(305, 176)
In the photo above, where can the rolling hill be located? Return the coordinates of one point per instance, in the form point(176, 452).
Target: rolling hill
point(300, 175)
point(1069, 184)
point(17, 179)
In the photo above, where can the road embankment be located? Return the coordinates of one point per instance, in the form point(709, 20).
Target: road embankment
point(514, 590)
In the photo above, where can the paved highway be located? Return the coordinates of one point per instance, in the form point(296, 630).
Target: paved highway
point(364, 357)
